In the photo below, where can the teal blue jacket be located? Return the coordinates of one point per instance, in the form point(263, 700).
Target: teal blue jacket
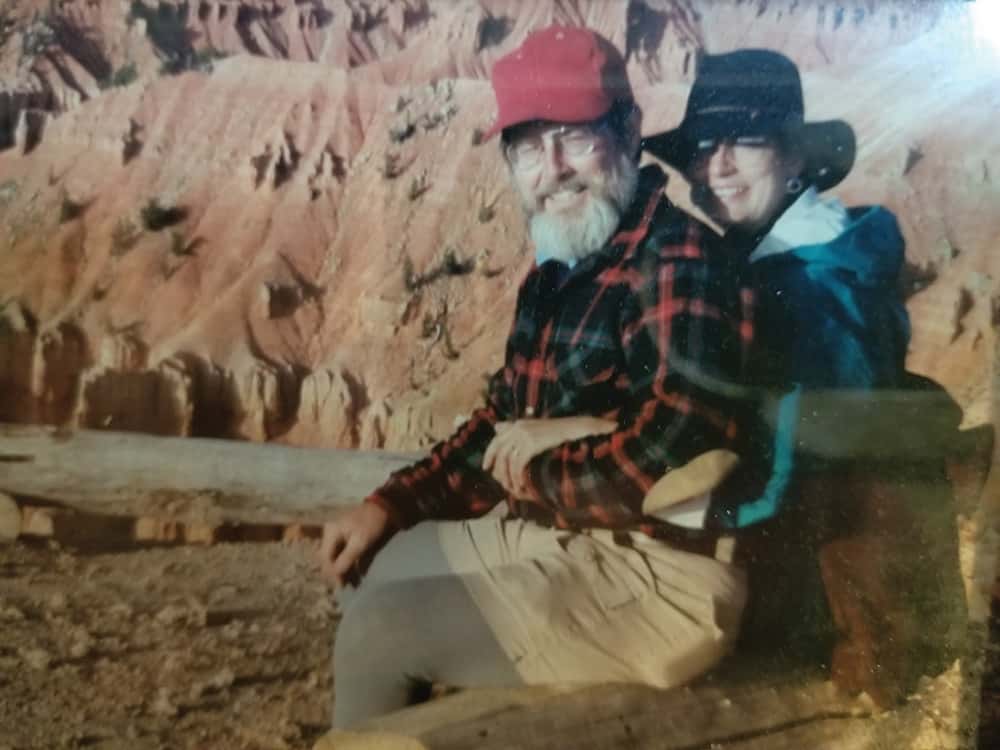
point(829, 317)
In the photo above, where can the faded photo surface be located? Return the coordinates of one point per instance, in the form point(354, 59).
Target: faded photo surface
point(693, 304)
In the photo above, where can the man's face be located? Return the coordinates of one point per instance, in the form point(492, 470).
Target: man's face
point(574, 181)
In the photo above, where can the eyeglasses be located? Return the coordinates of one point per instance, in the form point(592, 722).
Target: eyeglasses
point(527, 152)
point(749, 152)
point(704, 146)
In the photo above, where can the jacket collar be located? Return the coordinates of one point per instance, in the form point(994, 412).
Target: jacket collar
point(810, 220)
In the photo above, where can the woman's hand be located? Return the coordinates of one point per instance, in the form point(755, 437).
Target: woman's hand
point(516, 443)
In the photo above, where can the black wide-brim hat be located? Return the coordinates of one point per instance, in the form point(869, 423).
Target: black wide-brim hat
point(756, 92)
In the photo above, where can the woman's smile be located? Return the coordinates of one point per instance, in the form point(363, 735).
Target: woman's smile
point(729, 192)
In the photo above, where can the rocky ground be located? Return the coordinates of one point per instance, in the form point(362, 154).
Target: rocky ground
point(222, 646)
point(226, 646)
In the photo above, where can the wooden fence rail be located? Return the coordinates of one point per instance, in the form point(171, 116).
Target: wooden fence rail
point(212, 480)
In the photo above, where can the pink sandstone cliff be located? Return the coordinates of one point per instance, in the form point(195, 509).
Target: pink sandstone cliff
point(273, 220)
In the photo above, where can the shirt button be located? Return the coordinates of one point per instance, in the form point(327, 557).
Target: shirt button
point(529, 412)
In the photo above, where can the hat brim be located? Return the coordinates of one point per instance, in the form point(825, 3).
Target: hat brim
point(828, 148)
point(570, 113)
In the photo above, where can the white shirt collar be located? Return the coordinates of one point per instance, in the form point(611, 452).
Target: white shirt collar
point(810, 220)
point(542, 255)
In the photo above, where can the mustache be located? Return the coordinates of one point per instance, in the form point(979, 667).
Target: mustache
point(573, 183)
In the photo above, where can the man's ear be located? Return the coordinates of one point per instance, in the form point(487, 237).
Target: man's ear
point(503, 152)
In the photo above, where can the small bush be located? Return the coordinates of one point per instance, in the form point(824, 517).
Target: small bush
point(8, 191)
point(177, 243)
point(410, 277)
point(451, 265)
point(69, 209)
point(156, 217)
point(37, 37)
point(400, 131)
point(180, 247)
point(492, 31)
point(487, 210)
point(124, 235)
point(125, 75)
point(393, 166)
point(418, 186)
point(167, 29)
point(202, 61)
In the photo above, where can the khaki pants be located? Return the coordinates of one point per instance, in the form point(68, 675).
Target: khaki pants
point(579, 607)
point(569, 607)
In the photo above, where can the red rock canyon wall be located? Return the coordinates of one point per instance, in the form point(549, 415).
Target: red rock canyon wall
point(272, 220)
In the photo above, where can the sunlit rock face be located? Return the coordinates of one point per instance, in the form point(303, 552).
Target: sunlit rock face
point(275, 221)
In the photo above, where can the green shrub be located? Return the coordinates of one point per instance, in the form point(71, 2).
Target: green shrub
point(124, 235)
point(202, 61)
point(69, 209)
point(126, 74)
point(156, 217)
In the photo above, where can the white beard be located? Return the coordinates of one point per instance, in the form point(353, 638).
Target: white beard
point(572, 239)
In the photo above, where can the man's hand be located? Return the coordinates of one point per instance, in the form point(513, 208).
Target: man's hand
point(516, 443)
point(351, 541)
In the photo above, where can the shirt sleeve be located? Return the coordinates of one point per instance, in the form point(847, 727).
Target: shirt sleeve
point(451, 483)
point(683, 344)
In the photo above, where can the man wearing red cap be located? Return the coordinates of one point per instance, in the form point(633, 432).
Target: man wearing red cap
point(633, 313)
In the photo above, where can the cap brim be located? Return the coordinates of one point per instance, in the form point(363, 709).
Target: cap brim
point(548, 113)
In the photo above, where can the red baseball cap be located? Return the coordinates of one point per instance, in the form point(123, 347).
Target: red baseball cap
point(560, 74)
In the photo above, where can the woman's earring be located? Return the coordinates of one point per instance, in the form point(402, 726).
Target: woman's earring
point(794, 185)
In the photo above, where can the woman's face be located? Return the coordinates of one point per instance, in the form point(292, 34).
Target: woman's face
point(741, 183)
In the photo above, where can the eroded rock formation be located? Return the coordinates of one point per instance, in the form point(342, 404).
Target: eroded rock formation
point(274, 221)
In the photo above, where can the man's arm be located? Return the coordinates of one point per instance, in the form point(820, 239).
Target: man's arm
point(450, 483)
point(683, 342)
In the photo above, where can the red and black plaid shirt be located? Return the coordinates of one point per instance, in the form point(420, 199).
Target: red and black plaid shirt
point(648, 332)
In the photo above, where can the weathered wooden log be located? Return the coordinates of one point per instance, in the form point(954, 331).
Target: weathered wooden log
point(212, 480)
point(795, 712)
